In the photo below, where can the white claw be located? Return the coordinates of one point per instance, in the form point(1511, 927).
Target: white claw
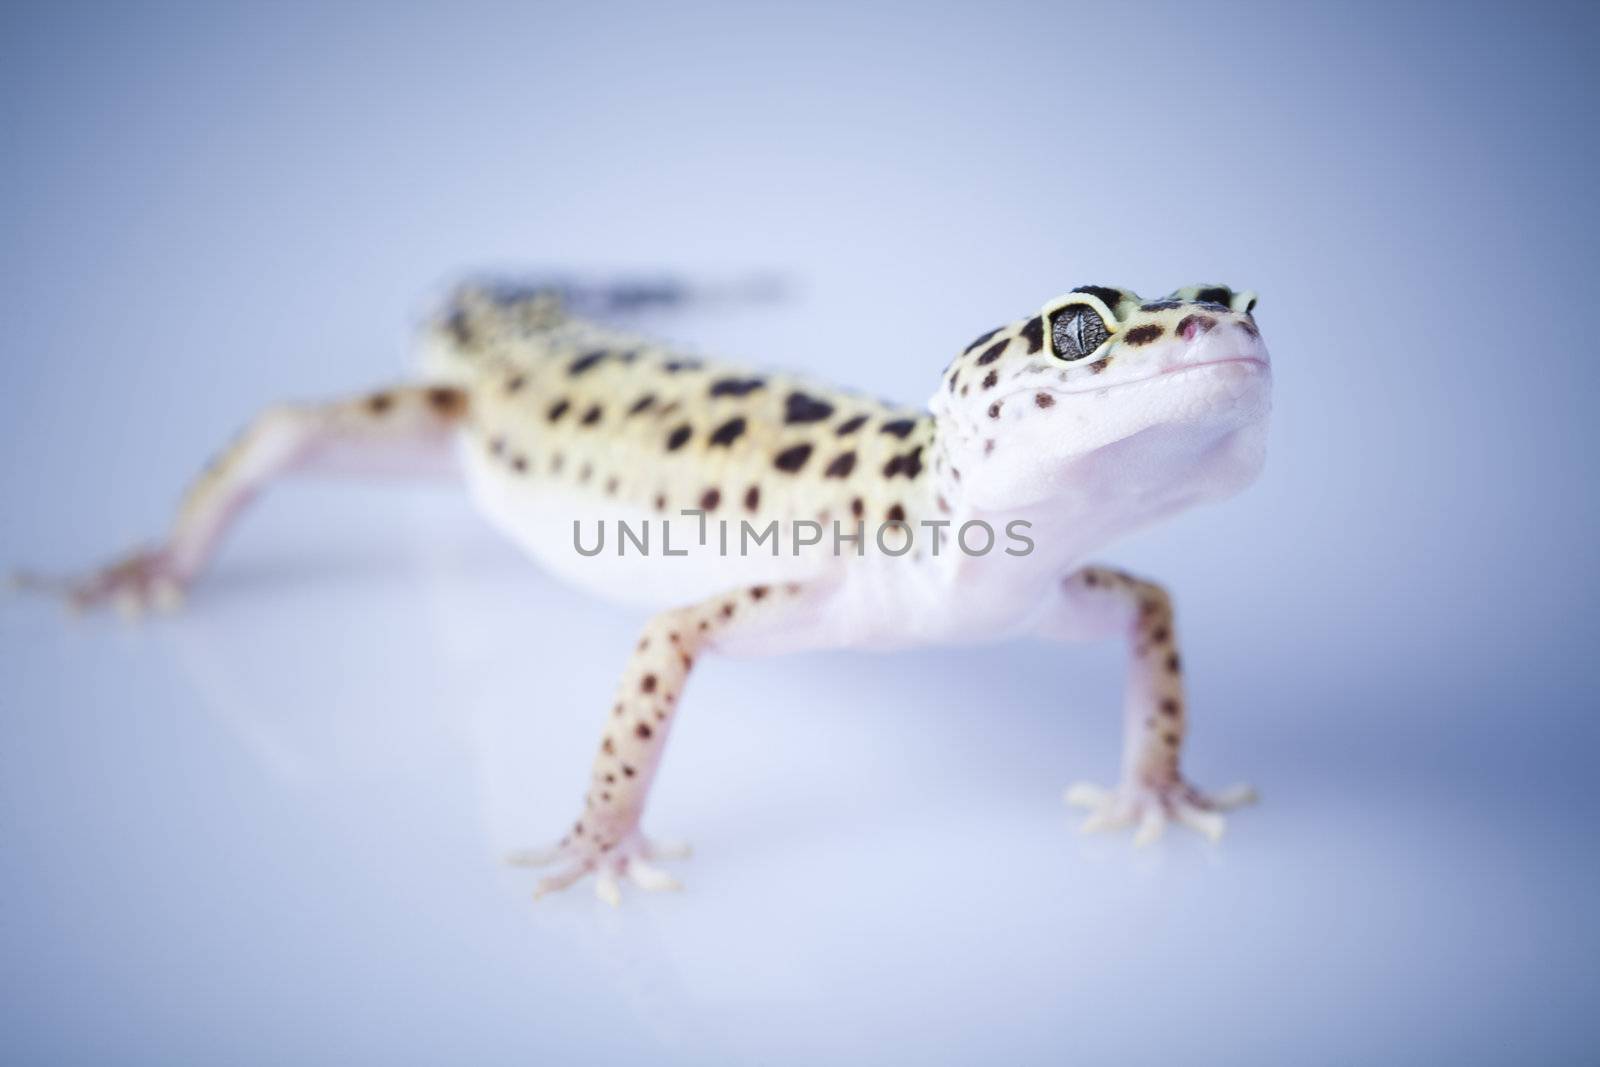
point(534, 857)
point(129, 605)
point(166, 595)
point(1235, 796)
point(1104, 818)
point(1086, 795)
point(605, 887)
point(652, 879)
point(557, 882)
point(1209, 823)
point(1150, 826)
point(667, 850)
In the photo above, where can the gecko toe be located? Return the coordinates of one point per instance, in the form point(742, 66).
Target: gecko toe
point(630, 856)
point(1148, 808)
point(651, 878)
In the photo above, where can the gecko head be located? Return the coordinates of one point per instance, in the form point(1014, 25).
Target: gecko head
point(1104, 390)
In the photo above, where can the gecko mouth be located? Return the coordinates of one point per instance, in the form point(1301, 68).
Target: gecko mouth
point(1255, 364)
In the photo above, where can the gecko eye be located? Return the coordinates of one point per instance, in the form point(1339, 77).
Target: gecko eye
point(1076, 331)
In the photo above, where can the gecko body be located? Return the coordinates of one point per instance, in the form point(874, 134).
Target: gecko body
point(643, 473)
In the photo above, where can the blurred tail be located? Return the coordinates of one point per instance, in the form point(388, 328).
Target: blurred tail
point(480, 310)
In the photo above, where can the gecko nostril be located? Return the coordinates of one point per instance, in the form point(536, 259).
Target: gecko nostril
point(1195, 325)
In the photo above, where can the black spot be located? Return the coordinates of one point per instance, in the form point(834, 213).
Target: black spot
point(979, 341)
point(899, 427)
point(591, 416)
point(1044, 400)
point(799, 407)
point(676, 439)
point(842, 465)
point(585, 362)
point(736, 386)
point(378, 403)
point(990, 378)
point(647, 684)
point(710, 499)
point(1142, 335)
point(1161, 305)
point(897, 513)
point(515, 382)
point(673, 366)
point(793, 458)
point(1110, 297)
point(1216, 294)
point(642, 404)
point(909, 464)
point(459, 327)
point(447, 401)
point(1033, 333)
point(858, 508)
point(953, 379)
point(728, 432)
point(558, 409)
point(851, 425)
point(992, 353)
point(519, 464)
point(752, 497)
point(643, 730)
point(994, 410)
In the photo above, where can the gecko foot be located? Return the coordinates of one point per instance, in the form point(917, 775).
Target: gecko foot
point(1149, 807)
point(630, 856)
point(140, 580)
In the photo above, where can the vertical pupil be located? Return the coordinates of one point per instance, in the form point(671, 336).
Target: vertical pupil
point(1078, 332)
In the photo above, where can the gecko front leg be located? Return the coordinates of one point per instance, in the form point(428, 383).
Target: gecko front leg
point(606, 838)
point(1098, 602)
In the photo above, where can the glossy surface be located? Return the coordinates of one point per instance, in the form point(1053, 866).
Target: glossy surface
point(268, 830)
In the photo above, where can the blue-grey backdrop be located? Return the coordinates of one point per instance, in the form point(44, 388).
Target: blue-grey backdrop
point(266, 831)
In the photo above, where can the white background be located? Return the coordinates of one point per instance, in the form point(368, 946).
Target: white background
point(269, 830)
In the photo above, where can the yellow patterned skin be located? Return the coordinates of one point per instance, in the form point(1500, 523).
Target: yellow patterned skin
point(1098, 415)
point(564, 402)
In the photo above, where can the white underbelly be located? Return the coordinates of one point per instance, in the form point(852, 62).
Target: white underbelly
point(629, 554)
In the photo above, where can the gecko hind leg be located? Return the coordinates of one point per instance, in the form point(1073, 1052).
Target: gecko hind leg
point(405, 430)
